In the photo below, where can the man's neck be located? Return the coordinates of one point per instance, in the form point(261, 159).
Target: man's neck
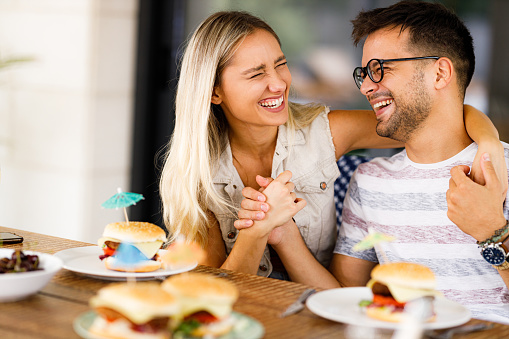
point(440, 137)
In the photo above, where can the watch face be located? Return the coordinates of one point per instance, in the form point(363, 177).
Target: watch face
point(494, 255)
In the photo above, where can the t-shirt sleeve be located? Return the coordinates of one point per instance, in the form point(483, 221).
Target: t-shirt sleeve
point(354, 226)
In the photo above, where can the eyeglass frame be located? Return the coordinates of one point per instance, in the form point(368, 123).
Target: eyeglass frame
point(367, 71)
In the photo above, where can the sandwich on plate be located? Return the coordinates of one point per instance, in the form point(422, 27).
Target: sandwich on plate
point(147, 238)
point(396, 284)
point(133, 311)
point(205, 304)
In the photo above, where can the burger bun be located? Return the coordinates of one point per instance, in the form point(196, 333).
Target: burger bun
point(112, 263)
point(405, 274)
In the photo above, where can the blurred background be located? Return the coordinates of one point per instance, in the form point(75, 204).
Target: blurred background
point(87, 88)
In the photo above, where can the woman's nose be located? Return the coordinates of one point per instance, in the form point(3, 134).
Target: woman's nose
point(276, 83)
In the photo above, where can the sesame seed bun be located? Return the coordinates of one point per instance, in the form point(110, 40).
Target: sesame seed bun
point(139, 302)
point(204, 292)
point(384, 314)
point(405, 274)
point(136, 303)
point(203, 286)
point(134, 231)
point(112, 263)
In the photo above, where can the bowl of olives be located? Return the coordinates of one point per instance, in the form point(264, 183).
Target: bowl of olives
point(23, 273)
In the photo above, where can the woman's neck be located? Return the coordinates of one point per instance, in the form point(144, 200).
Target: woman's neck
point(252, 155)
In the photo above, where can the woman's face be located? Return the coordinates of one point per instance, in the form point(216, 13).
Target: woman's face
point(254, 86)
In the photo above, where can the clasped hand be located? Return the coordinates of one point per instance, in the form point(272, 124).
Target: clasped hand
point(272, 206)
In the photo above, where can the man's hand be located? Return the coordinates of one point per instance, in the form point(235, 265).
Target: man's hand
point(477, 209)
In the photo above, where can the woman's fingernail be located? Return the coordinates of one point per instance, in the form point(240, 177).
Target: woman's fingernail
point(264, 207)
point(259, 215)
point(248, 222)
point(486, 157)
point(261, 198)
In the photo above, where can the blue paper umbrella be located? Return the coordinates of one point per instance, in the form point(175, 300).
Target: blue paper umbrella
point(122, 200)
point(127, 254)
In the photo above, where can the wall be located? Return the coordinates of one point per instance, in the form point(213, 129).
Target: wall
point(65, 116)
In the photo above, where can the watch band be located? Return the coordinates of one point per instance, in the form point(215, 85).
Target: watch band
point(502, 267)
point(505, 245)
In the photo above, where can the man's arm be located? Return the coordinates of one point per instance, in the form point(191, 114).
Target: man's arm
point(478, 210)
point(351, 271)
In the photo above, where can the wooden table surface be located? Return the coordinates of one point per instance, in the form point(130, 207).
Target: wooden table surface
point(50, 313)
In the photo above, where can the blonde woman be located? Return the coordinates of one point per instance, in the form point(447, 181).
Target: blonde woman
point(233, 123)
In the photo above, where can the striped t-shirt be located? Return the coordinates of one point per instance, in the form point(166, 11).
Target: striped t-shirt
point(407, 200)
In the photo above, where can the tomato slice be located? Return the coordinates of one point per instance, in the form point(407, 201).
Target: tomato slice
point(203, 317)
point(386, 300)
point(108, 250)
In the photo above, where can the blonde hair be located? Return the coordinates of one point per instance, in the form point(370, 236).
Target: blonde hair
point(200, 133)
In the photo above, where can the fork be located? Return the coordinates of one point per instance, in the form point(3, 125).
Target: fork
point(298, 305)
point(457, 330)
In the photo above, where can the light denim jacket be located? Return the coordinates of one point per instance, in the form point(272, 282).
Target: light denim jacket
point(313, 164)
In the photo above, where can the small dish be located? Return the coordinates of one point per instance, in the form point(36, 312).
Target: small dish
point(17, 286)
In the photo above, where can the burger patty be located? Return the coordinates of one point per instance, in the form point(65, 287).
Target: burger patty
point(153, 326)
point(381, 289)
point(112, 244)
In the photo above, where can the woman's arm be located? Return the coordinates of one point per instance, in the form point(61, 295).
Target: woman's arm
point(250, 244)
point(246, 254)
point(301, 265)
point(356, 129)
point(480, 129)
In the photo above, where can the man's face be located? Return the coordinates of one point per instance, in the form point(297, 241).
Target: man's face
point(401, 100)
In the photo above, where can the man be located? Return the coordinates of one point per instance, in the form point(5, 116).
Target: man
point(418, 60)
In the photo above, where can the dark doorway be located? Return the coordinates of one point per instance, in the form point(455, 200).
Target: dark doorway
point(160, 34)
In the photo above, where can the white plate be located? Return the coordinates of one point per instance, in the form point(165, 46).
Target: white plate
point(342, 305)
point(85, 260)
point(245, 327)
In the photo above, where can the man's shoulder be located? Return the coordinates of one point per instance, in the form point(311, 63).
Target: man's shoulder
point(385, 163)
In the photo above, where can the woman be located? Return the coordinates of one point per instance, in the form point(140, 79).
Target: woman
point(234, 122)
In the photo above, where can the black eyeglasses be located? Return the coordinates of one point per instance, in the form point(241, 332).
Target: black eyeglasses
point(375, 69)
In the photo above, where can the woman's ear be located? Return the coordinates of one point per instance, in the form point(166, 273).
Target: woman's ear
point(216, 97)
point(444, 72)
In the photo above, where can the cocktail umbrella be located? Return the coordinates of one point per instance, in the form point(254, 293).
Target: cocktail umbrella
point(128, 255)
point(372, 240)
point(122, 200)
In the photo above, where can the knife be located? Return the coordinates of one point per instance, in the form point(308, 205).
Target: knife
point(298, 305)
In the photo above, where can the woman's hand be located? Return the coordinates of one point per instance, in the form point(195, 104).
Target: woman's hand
point(282, 201)
point(254, 206)
point(496, 152)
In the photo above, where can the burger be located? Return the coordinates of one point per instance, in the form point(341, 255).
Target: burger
point(133, 311)
point(394, 285)
point(147, 238)
point(205, 304)
point(180, 254)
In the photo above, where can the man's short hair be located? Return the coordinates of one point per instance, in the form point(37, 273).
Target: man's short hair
point(434, 30)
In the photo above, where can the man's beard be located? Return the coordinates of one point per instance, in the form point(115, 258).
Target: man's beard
point(411, 111)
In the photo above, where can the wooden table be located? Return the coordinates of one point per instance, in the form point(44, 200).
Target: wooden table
point(50, 313)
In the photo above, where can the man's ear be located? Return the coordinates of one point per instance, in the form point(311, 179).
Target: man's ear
point(444, 72)
point(216, 97)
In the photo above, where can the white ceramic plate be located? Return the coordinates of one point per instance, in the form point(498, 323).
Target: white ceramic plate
point(245, 327)
point(85, 260)
point(342, 305)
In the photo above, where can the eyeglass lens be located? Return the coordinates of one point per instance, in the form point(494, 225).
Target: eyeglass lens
point(374, 69)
